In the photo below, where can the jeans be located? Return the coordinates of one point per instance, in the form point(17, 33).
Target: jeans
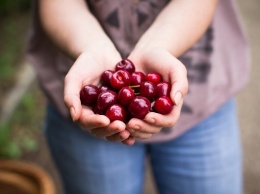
point(204, 160)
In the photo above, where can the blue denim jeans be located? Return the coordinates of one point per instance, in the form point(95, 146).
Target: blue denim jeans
point(204, 160)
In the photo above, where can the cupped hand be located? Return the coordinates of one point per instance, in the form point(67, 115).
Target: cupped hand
point(173, 71)
point(87, 70)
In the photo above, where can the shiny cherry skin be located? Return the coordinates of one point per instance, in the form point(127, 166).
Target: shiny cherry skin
point(153, 77)
point(116, 112)
point(148, 90)
point(125, 95)
point(139, 107)
point(137, 78)
point(106, 76)
point(89, 94)
point(163, 89)
point(106, 99)
point(120, 79)
point(126, 65)
point(163, 105)
point(103, 88)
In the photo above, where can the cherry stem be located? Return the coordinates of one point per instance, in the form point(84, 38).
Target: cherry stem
point(137, 93)
point(135, 86)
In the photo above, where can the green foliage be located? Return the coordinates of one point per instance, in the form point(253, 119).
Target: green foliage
point(14, 139)
point(9, 6)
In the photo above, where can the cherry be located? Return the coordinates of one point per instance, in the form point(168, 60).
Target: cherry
point(139, 107)
point(116, 112)
point(103, 88)
point(89, 94)
point(106, 99)
point(163, 105)
point(153, 77)
point(148, 90)
point(96, 110)
point(125, 95)
point(126, 65)
point(120, 79)
point(163, 89)
point(137, 78)
point(106, 76)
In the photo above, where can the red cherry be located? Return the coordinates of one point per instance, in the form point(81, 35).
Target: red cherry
point(120, 79)
point(106, 76)
point(116, 112)
point(125, 95)
point(153, 77)
point(139, 107)
point(148, 90)
point(163, 89)
point(103, 88)
point(96, 110)
point(106, 99)
point(163, 105)
point(126, 65)
point(137, 78)
point(89, 94)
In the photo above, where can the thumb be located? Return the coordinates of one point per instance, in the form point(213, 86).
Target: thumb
point(179, 81)
point(72, 97)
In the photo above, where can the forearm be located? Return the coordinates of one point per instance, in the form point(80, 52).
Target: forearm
point(179, 26)
point(72, 27)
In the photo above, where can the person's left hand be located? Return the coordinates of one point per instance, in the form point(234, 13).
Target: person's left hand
point(173, 71)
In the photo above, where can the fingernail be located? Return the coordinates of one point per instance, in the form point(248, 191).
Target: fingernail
point(177, 98)
point(131, 131)
point(151, 120)
point(72, 113)
point(137, 127)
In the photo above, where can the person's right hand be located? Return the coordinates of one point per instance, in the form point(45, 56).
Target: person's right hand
point(87, 69)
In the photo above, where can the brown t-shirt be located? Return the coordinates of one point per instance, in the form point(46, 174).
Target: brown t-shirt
point(217, 65)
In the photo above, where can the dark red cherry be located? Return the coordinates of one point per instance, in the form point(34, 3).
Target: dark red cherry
point(153, 77)
point(116, 112)
point(139, 107)
point(96, 110)
point(125, 95)
point(89, 94)
point(163, 105)
point(120, 79)
point(148, 90)
point(137, 78)
point(106, 99)
point(126, 65)
point(103, 88)
point(106, 76)
point(163, 89)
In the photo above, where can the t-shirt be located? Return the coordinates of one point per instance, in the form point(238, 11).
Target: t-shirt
point(217, 65)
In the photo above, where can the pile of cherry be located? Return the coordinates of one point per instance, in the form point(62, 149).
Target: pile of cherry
point(126, 93)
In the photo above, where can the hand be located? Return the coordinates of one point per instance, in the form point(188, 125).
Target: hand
point(173, 71)
point(87, 70)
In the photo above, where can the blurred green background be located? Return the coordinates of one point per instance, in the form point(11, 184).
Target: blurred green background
point(19, 134)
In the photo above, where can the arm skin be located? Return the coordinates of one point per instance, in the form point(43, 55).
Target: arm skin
point(74, 29)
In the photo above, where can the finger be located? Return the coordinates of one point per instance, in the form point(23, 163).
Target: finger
point(111, 129)
point(141, 135)
point(164, 120)
point(121, 136)
point(137, 125)
point(71, 97)
point(74, 81)
point(129, 141)
point(89, 120)
point(179, 81)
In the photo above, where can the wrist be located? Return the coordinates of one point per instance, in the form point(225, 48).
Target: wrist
point(102, 51)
